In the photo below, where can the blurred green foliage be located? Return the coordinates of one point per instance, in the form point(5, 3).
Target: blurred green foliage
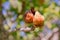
point(44, 9)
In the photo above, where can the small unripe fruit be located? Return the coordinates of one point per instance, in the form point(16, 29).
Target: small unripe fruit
point(28, 17)
point(38, 19)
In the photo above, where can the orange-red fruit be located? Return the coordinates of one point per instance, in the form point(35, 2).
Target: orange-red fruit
point(38, 19)
point(28, 17)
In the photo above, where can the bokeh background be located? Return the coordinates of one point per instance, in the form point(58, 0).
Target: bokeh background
point(13, 11)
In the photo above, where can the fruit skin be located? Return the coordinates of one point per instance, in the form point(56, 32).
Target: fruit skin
point(38, 20)
point(28, 17)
